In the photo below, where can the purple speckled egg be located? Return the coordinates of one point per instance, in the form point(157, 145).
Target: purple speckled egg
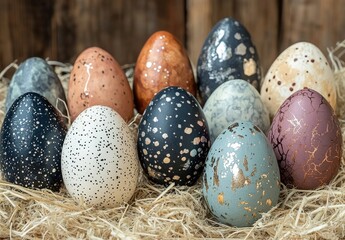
point(306, 138)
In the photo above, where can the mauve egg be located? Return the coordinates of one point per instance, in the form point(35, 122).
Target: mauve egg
point(99, 159)
point(241, 178)
point(307, 141)
point(97, 79)
point(162, 62)
point(300, 65)
point(173, 138)
point(228, 53)
point(36, 75)
point(31, 141)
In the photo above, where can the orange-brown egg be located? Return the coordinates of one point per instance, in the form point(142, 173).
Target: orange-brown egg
point(162, 62)
point(97, 79)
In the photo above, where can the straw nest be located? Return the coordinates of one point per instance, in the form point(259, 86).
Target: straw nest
point(172, 212)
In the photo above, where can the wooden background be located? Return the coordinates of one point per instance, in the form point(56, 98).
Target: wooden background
point(61, 29)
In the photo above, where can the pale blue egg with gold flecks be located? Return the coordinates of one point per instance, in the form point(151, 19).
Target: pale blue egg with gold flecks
point(241, 178)
point(31, 141)
point(36, 75)
point(228, 53)
point(173, 138)
point(235, 100)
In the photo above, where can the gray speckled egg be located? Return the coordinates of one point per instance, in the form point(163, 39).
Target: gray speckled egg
point(173, 138)
point(241, 178)
point(232, 101)
point(36, 75)
point(228, 53)
point(99, 159)
point(31, 141)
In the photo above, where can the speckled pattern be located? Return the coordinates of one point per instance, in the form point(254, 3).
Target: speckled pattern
point(233, 101)
point(241, 178)
point(173, 138)
point(162, 62)
point(36, 75)
point(228, 53)
point(307, 140)
point(99, 158)
point(97, 79)
point(31, 140)
point(300, 65)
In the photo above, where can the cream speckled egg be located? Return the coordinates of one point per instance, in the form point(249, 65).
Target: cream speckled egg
point(300, 65)
point(99, 158)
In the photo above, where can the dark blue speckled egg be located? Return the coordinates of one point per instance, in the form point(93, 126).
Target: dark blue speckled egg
point(31, 142)
point(228, 53)
point(36, 75)
point(173, 138)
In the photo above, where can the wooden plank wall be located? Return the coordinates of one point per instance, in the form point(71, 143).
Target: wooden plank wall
point(61, 29)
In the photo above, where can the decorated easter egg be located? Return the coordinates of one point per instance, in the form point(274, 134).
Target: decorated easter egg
point(228, 53)
point(232, 101)
point(97, 79)
point(300, 65)
point(173, 138)
point(162, 62)
point(36, 75)
point(241, 179)
point(31, 141)
point(307, 140)
point(99, 159)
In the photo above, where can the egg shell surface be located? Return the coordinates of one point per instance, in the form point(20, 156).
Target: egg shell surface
point(173, 138)
point(36, 75)
point(232, 101)
point(241, 178)
point(162, 62)
point(228, 53)
point(31, 141)
point(99, 159)
point(97, 79)
point(300, 65)
point(307, 140)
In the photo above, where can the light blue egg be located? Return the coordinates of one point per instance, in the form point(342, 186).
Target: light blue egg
point(241, 178)
point(235, 100)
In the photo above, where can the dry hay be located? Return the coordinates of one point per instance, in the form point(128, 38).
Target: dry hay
point(172, 212)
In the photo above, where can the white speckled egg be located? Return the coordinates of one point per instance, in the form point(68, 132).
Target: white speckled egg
point(300, 65)
point(235, 100)
point(99, 158)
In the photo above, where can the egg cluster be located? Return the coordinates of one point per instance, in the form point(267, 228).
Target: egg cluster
point(240, 136)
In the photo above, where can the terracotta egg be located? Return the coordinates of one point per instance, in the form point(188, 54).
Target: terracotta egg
point(162, 62)
point(300, 65)
point(307, 141)
point(97, 79)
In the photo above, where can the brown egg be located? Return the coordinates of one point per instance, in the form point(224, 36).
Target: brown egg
point(97, 79)
point(162, 62)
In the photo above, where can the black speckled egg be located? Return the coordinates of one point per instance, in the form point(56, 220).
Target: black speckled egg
point(36, 75)
point(173, 138)
point(31, 141)
point(228, 53)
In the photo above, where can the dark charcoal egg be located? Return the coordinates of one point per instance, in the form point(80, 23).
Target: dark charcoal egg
point(31, 141)
point(36, 75)
point(173, 138)
point(228, 53)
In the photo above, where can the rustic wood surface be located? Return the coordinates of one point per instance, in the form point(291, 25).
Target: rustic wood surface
point(61, 29)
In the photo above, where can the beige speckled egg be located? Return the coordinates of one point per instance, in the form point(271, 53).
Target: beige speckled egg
point(162, 62)
point(300, 65)
point(97, 79)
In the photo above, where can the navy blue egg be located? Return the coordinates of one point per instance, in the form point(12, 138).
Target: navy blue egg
point(31, 142)
point(228, 53)
point(173, 138)
point(36, 75)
